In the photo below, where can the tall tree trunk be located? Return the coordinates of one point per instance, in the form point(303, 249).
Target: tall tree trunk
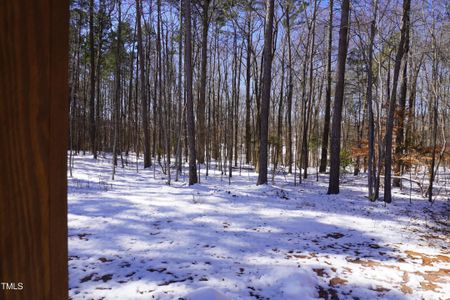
point(433, 147)
point(371, 125)
point(400, 120)
point(290, 89)
point(147, 159)
point(400, 136)
point(178, 159)
point(229, 127)
point(248, 138)
point(409, 136)
point(167, 104)
point(98, 74)
point(392, 103)
point(158, 85)
point(434, 88)
point(326, 125)
point(130, 96)
point(304, 104)
point(116, 100)
point(236, 107)
point(202, 96)
point(188, 86)
point(92, 129)
point(306, 120)
point(279, 139)
point(333, 187)
point(258, 73)
point(231, 113)
point(265, 97)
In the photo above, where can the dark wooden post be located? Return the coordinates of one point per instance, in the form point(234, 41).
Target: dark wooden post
point(33, 148)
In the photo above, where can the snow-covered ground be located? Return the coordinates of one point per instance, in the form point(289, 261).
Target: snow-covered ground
point(138, 238)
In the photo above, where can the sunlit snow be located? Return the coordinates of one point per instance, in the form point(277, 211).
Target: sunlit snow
point(138, 238)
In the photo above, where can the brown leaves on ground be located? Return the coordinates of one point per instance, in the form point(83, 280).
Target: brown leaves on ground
point(364, 262)
point(441, 275)
point(406, 289)
point(320, 272)
point(403, 287)
point(328, 294)
point(428, 286)
point(427, 260)
point(431, 278)
point(337, 281)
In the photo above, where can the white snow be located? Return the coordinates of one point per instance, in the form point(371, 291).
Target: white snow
point(206, 293)
point(138, 238)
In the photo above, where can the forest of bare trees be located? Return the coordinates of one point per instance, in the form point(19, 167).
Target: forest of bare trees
point(282, 87)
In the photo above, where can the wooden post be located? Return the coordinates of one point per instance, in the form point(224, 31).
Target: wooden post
point(33, 148)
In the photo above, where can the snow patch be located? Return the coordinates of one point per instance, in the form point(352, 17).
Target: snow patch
point(206, 293)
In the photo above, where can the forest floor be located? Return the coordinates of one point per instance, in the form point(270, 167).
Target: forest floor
point(138, 238)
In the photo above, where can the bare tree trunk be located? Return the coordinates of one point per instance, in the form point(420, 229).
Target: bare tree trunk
point(409, 138)
point(188, 86)
point(230, 108)
point(147, 159)
point(236, 106)
point(392, 103)
point(400, 136)
point(433, 155)
point(333, 187)
point(258, 74)
point(74, 87)
point(178, 159)
point(279, 139)
point(379, 107)
point(326, 125)
point(435, 120)
point(265, 99)
point(130, 95)
point(103, 16)
point(290, 90)
point(116, 101)
point(371, 134)
point(166, 91)
point(308, 103)
point(158, 100)
point(202, 96)
point(248, 138)
point(92, 129)
point(304, 104)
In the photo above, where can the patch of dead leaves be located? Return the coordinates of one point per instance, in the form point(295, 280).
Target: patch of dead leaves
point(406, 289)
point(365, 263)
point(428, 286)
point(320, 272)
point(337, 281)
point(427, 260)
